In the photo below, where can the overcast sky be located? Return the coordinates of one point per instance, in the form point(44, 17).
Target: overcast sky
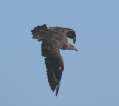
point(91, 76)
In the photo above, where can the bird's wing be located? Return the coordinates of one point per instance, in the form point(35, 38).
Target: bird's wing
point(54, 65)
point(65, 31)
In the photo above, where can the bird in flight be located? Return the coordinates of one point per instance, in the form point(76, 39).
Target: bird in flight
point(53, 39)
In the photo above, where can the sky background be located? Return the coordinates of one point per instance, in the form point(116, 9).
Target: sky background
point(91, 76)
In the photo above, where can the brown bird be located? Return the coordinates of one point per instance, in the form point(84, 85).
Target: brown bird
point(53, 39)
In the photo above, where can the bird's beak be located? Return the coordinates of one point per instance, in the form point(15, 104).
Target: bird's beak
point(76, 49)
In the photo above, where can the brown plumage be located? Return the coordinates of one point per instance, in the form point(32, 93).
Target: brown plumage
point(53, 39)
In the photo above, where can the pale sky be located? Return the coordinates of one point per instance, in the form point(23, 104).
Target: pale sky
point(90, 77)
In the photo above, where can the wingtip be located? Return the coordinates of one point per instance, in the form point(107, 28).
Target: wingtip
point(57, 89)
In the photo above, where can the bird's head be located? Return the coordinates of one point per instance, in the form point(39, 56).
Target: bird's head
point(71, 34)
point(37, 29)
point(72, 47)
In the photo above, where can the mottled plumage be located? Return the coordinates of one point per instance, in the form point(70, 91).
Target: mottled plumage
point(53, 39)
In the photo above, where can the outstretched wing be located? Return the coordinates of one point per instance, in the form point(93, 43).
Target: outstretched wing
point(65, 31)
point(54, 65)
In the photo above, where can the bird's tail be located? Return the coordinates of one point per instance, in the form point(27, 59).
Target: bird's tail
point(38, 32)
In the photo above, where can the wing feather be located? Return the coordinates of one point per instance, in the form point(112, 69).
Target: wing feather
point(65, 31)
point(54, 65)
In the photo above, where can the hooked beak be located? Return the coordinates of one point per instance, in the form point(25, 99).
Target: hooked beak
point(76, 49)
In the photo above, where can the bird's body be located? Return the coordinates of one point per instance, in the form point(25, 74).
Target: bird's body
point(53, 39)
